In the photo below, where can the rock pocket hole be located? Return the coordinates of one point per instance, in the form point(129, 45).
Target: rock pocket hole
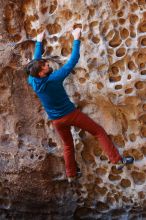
point(143, 72)
point(131, 65)
point(124, 33)
point(133, 19)
point(53, 7)
point(129, 76)
point(32, 156)
point(143, 42)
point(65, 51)
point(115, 70)
point(132, 137)
point(122, 21)
point(117, 87)
point(128, 91)
point(53, 28)
point(139, 85)
point(77, 25)
point(114, 78)
point(120, 52)
point(82, 80)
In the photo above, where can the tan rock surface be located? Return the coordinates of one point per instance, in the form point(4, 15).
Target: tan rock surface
point(109, 84)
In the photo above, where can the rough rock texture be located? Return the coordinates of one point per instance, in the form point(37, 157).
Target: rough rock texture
point(108, 84)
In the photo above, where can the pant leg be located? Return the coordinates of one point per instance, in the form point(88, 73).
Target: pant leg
point(69, 154)
point(84, 122)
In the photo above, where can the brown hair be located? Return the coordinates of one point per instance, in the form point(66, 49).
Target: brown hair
point(34, 67)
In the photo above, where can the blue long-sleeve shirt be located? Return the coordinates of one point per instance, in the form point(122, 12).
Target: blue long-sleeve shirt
point(50, 89)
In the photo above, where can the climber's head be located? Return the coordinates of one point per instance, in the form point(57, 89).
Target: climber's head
point(38, 68)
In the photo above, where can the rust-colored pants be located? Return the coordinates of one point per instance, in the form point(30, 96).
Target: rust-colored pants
point(81, 120)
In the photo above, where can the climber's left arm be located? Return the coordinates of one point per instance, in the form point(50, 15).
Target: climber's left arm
point(38, 46)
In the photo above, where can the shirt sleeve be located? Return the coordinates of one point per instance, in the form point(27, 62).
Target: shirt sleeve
point(64, 71)
point(38, 51)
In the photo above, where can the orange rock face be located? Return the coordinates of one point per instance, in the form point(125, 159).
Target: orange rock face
point(108, 83)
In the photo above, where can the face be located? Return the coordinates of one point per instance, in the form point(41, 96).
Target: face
point(46, 70)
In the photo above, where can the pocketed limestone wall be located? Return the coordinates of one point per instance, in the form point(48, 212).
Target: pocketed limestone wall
point(108, 84)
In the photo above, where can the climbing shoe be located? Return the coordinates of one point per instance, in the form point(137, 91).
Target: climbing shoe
point(74, 178)
point(124, 161)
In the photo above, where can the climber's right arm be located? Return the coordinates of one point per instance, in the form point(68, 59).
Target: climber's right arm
point(65, 70)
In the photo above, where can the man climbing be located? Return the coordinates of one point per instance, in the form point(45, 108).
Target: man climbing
point(48, 85)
